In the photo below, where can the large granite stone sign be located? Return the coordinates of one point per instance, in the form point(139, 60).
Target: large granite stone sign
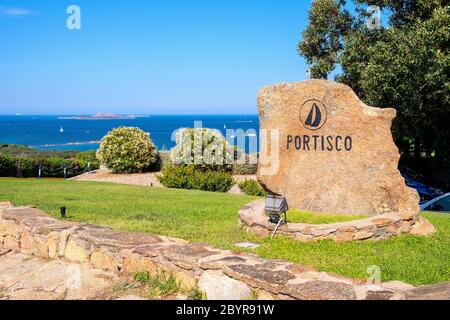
point(336, 154)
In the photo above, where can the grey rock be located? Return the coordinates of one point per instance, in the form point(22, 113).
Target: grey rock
point(247, 245)
point(323, 290)
point(220, 287)
point(439, 291)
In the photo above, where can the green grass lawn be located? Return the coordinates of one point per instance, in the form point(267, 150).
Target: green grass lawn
point(212, 218)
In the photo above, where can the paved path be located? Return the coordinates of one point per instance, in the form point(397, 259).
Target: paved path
point(143, 179)
point(104, 175)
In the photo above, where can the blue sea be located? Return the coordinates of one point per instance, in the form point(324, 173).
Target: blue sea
point(44, 132)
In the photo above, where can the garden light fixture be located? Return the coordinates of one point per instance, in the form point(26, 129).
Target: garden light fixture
point(275, 207)
point(63, 212)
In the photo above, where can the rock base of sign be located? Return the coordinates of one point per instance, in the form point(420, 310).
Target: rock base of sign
point(253, 218)
point(334, 154)
point(33, 232)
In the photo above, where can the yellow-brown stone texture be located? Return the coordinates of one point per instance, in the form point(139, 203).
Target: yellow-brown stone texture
point(221, 274)
point(337, 154)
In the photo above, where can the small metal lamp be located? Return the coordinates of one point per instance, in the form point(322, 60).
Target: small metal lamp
point(63, 212)
point(276, 206)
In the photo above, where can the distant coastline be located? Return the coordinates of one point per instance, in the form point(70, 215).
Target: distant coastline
point(102, 116)
point(81, 133)
point(68, 144)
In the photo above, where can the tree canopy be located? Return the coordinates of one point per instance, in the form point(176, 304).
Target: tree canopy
point(404, 64)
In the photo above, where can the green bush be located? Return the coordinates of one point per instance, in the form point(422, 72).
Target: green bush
point(215, 153)
point(127, 149)
point(215, 181)
point(189, 177)
point(252, 188)
point(27, 167)
point(86, 156)
point(163, 160)
point(7, 166)
point(211, 153)
point(180, 177)
point(13, 167)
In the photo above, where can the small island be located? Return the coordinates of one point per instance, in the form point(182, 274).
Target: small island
point(102, 116)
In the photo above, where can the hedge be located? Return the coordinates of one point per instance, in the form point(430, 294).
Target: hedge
point(52, 167)
point(189, 177)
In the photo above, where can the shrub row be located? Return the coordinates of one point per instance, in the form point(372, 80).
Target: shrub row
point(130, 150)
point(188, 177)
point(51, 167)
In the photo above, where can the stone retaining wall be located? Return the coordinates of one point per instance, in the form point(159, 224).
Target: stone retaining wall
point(221, 274)
point(253, 218)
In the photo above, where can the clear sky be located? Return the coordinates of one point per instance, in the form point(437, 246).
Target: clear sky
point(148, 57)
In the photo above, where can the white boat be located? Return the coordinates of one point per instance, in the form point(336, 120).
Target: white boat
point(61, 130)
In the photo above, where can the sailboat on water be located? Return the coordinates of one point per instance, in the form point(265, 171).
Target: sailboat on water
point(61, 130)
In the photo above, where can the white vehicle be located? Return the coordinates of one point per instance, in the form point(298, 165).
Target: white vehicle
point(440, 204)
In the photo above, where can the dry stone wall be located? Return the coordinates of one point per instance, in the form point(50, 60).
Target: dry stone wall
point(32, 231)
point(253, 218)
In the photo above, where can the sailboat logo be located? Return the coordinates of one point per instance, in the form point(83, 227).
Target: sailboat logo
point(313, 114)
point(316, 115)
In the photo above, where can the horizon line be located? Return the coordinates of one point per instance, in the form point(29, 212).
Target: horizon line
point(137, 115)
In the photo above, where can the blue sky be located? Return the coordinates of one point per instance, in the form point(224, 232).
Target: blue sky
point(149, 57)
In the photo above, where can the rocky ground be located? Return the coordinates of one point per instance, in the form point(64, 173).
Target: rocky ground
point(25, 277)
point(30, 278)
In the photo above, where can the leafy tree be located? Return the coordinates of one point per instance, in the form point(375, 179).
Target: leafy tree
point(404, 65)
point(405, 11)
point(322, 40)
